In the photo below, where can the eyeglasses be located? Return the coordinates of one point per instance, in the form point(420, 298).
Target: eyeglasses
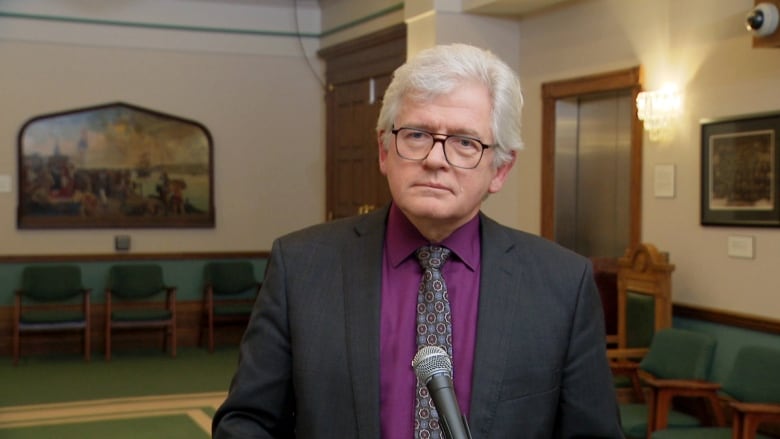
point(459, 151)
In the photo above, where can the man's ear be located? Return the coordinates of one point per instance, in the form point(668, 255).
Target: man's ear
point(502, 172)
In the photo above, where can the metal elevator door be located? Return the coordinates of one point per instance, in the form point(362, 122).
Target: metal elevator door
point(592, 173)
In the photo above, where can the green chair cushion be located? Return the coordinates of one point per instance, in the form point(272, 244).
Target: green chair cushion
point(140, 315)
point(634, 420)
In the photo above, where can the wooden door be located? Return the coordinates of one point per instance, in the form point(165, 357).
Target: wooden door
point(355, 183)
point(358, 73)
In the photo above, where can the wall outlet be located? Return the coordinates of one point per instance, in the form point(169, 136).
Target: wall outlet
point(122, 242)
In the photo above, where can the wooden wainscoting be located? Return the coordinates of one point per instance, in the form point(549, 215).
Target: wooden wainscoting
point(188, 327)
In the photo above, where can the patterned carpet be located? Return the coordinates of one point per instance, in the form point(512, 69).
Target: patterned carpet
point(133, 396)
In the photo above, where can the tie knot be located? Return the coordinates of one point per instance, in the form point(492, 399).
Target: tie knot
point(432, 256)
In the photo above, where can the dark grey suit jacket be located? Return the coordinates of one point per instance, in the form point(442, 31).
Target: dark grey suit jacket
point(309, 359)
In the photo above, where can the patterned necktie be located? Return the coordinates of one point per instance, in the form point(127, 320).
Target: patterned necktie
point(434, 328)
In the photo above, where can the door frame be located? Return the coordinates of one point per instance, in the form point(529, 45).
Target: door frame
point(627, 79)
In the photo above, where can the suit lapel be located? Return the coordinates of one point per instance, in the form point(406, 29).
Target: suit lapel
point(362, 288)
point(497, 310)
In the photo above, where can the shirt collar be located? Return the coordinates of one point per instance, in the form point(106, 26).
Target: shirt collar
point(403, 239)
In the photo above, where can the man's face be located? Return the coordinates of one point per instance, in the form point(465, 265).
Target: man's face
point(431, 192)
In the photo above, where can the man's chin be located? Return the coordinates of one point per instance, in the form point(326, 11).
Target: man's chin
point(428, 208)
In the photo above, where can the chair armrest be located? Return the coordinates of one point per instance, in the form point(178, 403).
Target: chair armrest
point(623, 367)
point(748, 416)
point(626, 353)
point(756, 407)
point(697, 385)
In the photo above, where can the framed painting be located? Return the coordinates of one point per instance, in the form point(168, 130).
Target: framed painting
point(114, 166)
point(739, 171)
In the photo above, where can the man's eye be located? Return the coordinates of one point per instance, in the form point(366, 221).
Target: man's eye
point(465, 143)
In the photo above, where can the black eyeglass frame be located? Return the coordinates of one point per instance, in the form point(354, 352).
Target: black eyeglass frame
point(443, 141)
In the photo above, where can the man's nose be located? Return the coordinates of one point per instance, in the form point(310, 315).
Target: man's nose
point(437, 155)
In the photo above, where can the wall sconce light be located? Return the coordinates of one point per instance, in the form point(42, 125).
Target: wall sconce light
point(658, 109)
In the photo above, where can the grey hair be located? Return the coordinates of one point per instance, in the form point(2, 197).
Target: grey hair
point(439, 70)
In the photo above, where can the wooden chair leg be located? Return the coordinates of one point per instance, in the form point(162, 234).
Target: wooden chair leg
point(87, 345)
point(16, 347)
point(637, 386)
point(737, 425)
point(108, 325)
point(108, 342)
point(652, 412)
point(211, 335)
point(16, 322)
point(173, 339)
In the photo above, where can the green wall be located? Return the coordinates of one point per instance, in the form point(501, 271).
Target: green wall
point(186, 275)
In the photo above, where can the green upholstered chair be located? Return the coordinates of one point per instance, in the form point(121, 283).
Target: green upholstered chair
point(677, 361)
point(230, 290)
point(644, 284)
point(752, 389)
point(640, 329)
point(137, 298)
point(644, 306)
point(51, 298)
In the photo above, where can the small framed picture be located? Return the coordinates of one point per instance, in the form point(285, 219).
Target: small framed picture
point(739, 171)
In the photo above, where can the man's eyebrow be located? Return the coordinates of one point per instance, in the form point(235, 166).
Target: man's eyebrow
point(465, 132)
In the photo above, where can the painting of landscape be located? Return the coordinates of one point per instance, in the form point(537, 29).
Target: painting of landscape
point(114, 166)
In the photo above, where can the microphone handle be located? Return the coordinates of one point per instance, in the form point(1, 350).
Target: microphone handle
point(451, 419)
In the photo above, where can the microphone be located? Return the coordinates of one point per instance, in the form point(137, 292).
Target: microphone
point(433, 368)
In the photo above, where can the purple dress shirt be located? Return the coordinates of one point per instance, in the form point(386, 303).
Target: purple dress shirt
point(401, 274)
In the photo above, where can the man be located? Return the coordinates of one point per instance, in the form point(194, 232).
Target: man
point(327, 351)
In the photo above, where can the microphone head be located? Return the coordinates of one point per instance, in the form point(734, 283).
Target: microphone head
point(429, 361)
